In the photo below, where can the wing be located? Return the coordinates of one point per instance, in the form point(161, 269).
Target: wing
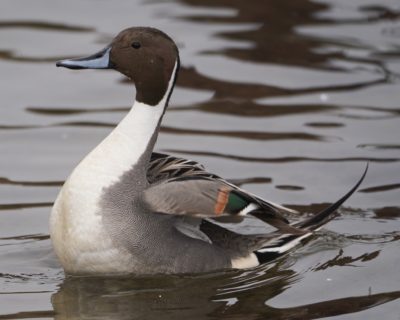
point(184, 187)
point(163, 167)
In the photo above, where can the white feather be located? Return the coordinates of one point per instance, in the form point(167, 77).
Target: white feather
point(246, 262)
point(287, 246)
point(250, 207)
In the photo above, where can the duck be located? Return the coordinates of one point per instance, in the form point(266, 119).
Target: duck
point(126, 209)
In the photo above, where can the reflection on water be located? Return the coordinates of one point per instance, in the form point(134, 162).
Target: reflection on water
point(32, 25)
point(288, 99)
point(341, 260)
point(281, 159)
point(179, 297)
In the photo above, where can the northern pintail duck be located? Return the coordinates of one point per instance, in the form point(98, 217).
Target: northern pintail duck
point(127, 209)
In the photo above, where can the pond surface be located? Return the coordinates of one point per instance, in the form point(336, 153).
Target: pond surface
point(290, 99)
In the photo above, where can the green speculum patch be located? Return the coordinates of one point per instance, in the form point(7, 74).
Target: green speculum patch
point(235, 203)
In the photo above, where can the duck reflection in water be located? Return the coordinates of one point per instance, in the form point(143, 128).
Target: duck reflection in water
point(223, 295)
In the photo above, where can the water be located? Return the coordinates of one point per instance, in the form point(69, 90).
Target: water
point(288, 98)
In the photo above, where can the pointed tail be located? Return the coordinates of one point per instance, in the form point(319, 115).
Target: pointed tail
point(285, 242)
point(318, 220)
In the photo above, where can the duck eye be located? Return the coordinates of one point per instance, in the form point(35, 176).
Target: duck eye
point(136, 45)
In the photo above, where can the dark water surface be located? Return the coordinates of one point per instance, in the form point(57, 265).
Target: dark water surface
point(288, 98)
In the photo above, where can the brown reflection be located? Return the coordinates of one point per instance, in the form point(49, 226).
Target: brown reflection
point(247, 108)
point(249, 135)
point(242, 108)
point(386, 187)
point(28, 237)
point(242, 305)
point(341, 260)
point(41, 25)
point(375, 238)
point(253, 135)
point(84, 124)
point(387, 213)
point(12, 206)
point(189, 77)
point(31, 183)
point(324, 124)
point(231, 134)
point(29, 315)
point(380, 13)
point(240, 182)
point(72, 111)
point(279, 159)
point(232, 295)
point(136, 298)
point(328, 308)
point(13, 127)
point(275, 40)
point(289, 187)
point(380, 146)
point(66, 111)
point(160, 297)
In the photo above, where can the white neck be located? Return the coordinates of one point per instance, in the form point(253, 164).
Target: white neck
point(124, 146)
point(134, 133)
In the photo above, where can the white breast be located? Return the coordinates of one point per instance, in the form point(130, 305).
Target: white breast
point(76, 226)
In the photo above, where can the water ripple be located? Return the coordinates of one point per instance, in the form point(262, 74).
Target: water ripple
point(44, 25)
point(7, 181)
point(280, 159)
point(381, 188)
point(12, 206)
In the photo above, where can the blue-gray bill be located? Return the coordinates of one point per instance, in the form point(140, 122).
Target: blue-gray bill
point(99, 60)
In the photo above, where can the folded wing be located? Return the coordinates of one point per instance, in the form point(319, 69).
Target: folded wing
point(183, 187)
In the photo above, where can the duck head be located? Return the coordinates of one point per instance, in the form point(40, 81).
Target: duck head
point(146, 55)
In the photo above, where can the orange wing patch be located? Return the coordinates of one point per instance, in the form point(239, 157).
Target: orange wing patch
point(222, 200)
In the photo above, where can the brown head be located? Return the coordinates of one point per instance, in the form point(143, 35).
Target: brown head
point(145, 55)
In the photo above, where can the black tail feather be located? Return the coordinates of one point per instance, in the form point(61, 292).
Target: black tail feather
point(327, 214)
point(285, 242)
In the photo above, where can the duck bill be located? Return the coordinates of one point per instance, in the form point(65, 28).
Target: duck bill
point(99, 60)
